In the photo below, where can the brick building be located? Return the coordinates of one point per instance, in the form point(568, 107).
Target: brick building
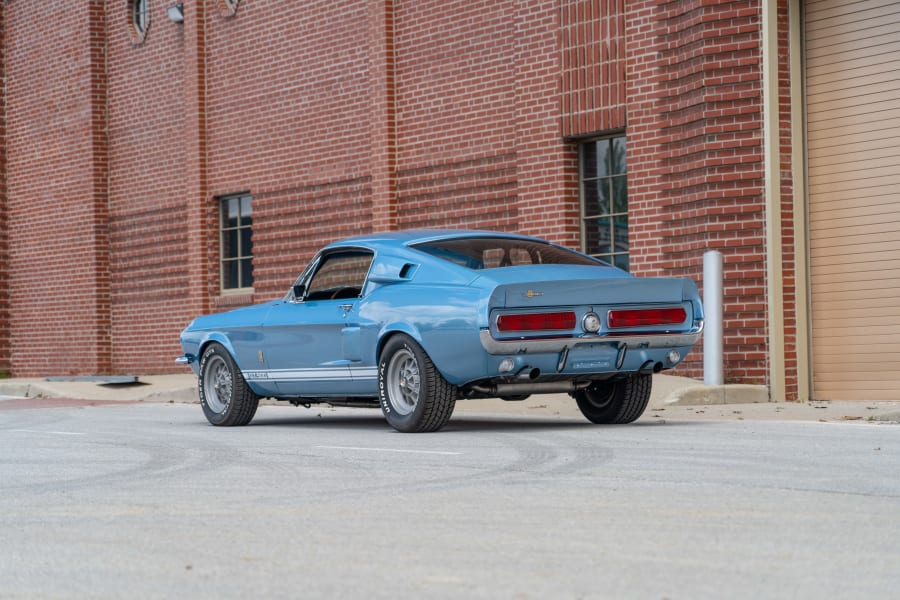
point(162, 161)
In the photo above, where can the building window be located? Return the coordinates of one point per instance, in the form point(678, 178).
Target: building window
point(139, 15)
point(228, 8)
point(604, 200)
point(236, 242)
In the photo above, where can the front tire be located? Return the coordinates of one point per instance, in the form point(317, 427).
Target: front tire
point(615, 402)
point(414, 396)
point(226, 399)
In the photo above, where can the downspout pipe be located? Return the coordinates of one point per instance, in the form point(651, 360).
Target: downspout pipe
point(798, 187)
point(772, 191)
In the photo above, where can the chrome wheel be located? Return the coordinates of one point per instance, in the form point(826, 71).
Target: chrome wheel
point(226, 398)
point(404, 382)
point(218, 384)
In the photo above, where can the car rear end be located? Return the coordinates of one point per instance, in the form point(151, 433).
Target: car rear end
point(557, 335)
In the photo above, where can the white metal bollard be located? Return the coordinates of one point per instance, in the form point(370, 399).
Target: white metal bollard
point(712, 309)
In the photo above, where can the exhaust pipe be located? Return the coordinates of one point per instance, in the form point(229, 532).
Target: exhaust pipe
point(528, 374)
point(650, 367)
point(537, 387)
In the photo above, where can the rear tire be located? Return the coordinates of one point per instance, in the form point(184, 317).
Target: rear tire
point(226, 399)
point(414, 396)
point(615, 402)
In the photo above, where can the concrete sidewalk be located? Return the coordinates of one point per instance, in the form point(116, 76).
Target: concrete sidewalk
point(673, 398)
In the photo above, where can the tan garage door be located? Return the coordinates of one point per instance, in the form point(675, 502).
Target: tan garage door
point(853, 112)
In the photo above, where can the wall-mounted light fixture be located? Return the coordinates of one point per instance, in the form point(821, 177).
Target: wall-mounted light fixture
point(175, 12)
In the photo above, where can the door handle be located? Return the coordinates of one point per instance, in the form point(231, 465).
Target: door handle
point(345, 307)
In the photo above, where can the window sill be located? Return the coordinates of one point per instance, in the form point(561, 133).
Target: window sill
point(232, 298)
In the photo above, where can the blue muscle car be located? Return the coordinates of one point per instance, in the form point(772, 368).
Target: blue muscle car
point(414, 321)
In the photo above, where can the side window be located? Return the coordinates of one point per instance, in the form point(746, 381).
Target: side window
point(236, 242)
point(340, 275)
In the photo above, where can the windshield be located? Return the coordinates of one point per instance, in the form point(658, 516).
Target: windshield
point(492, 253)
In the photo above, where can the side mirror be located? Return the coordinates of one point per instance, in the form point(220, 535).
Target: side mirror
point(299, 290)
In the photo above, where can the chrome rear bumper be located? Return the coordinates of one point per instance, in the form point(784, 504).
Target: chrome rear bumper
point(537, 346)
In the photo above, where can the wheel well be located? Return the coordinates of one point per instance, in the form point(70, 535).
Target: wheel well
point(212, 341)
point(383, 342)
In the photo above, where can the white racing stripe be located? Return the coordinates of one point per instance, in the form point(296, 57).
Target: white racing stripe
point(313, 374)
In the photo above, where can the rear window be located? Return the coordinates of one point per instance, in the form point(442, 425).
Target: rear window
point(493, 253)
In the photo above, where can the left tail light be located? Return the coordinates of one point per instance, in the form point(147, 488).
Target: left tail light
point(536, 321)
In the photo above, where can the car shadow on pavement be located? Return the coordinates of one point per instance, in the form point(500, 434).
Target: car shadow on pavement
point(462, 424)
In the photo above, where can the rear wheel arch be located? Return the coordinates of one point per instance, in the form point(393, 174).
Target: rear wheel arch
point(393, 331)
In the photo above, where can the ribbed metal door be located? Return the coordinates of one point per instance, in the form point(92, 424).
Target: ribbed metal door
point(852, 52)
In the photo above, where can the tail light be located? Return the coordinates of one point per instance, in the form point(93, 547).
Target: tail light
point(536, 321)
point(643, 317)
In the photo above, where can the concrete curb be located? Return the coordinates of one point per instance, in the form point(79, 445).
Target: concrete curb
point(700, 395)
point(151, 388)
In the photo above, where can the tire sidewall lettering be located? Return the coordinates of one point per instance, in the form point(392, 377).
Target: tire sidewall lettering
point(382, 391)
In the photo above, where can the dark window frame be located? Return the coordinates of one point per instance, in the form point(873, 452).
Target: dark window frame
point(339, 275)
point(139, 18)
point(228, 8)
point(603, 198)
point(236, 243)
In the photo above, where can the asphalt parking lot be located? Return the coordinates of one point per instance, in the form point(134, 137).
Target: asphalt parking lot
point(146, 499)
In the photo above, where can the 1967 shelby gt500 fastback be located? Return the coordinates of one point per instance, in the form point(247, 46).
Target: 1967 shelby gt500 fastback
point(414, 321)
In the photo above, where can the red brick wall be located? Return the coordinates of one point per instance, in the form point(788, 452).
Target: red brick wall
point(455, 98)
point(57, 273)
point(695, 159)
point(345, 117)
point(592, 46)
point(787, 209)
point(547, 165)
point(288, 107)
point(147, 190)
point(4, 223)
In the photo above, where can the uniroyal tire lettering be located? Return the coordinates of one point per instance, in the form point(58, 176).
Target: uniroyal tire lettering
point(382, 395)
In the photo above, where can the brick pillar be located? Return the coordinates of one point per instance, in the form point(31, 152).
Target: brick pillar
point(383, 124)
point(592, 47)
point(100, 186)
point(200, 210)
point(4, 235)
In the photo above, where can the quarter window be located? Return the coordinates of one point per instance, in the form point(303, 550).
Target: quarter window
point(604, 200)
point(236, 242)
